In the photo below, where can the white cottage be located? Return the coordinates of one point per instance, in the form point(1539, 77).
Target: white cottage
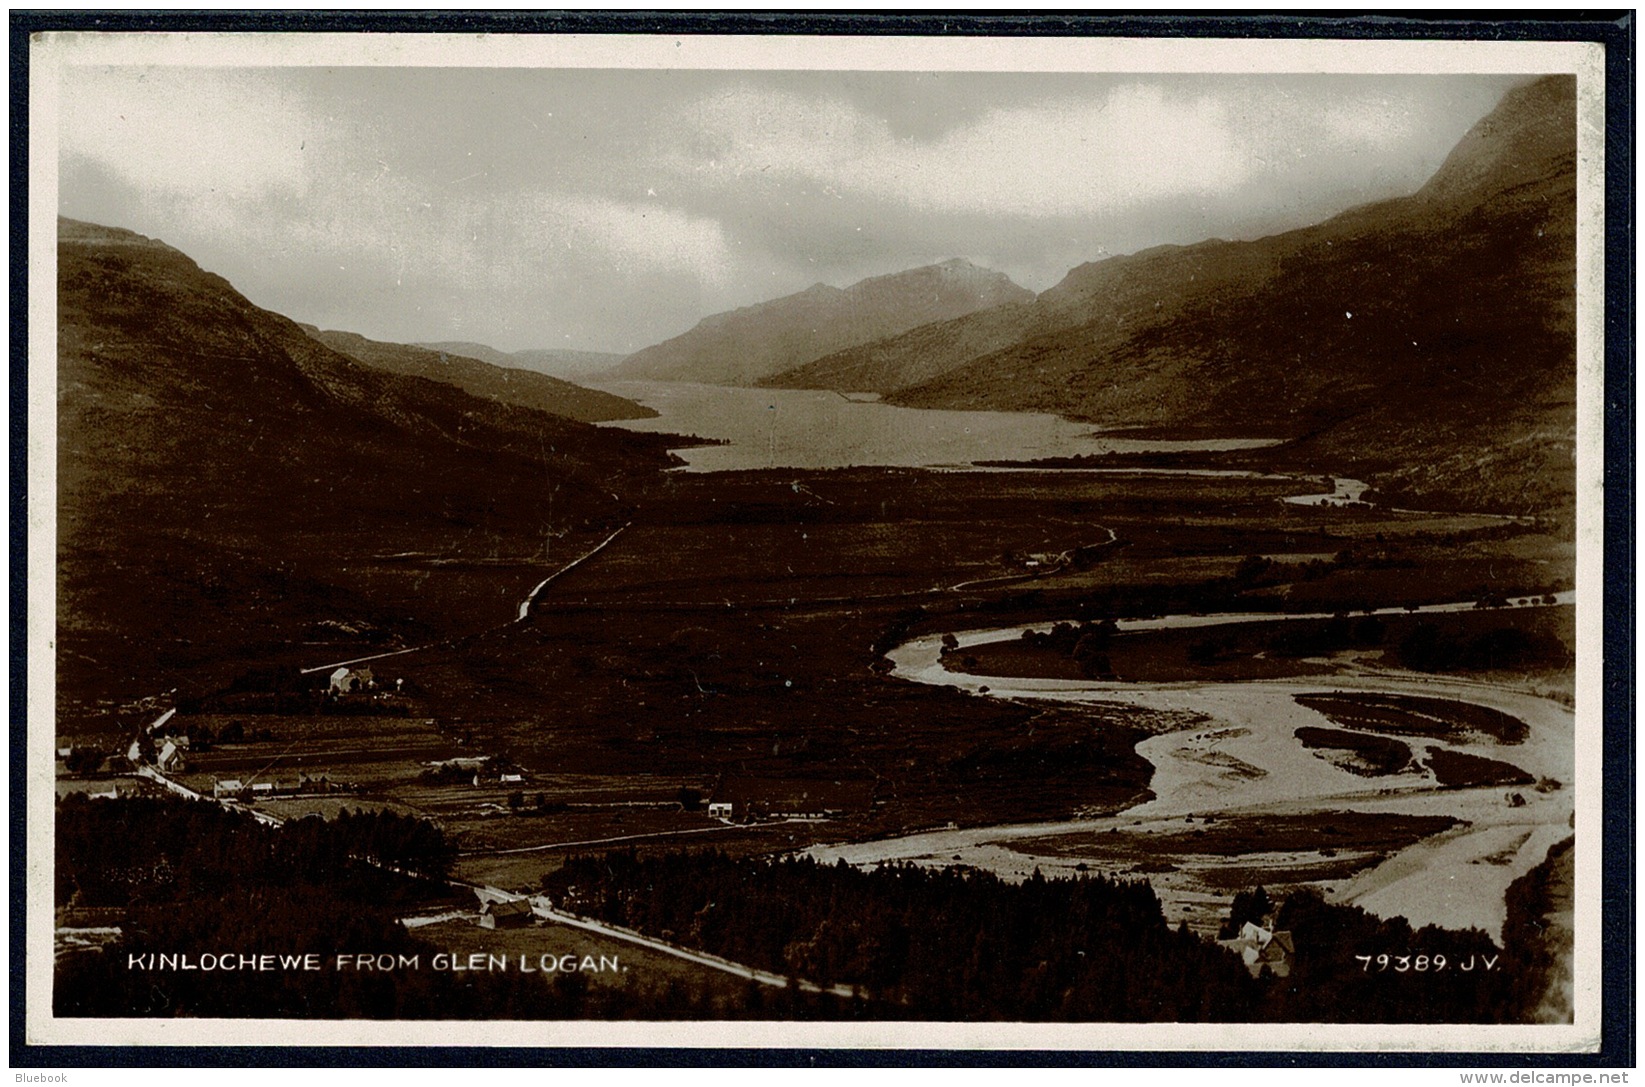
point(347, 680)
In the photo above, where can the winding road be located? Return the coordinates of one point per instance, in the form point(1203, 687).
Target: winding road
point(541, 909)
point(523, 613)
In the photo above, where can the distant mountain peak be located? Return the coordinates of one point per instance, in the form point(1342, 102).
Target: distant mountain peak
point(565, 363)
point(1531, 134)
point(743, 346)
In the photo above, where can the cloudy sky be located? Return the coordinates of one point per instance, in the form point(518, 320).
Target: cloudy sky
point(608, 210)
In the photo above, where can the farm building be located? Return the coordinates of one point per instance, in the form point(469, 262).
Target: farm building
point(228, 789)
point(170, 757)
point(1263, 947)
point(760, 798)
point(104, 787)
point(347, 680)
point(510, 777)
point(511, 914)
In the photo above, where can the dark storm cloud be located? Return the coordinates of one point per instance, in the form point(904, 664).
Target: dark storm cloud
point(610, 209)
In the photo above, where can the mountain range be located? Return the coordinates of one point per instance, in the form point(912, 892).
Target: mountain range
point(503, 382)
point(555, 362)
point(1428, 340)
point(742, 346)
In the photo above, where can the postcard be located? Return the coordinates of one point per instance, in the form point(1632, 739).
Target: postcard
point(677, 540)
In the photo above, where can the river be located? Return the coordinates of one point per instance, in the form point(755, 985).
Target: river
point(1238, 755)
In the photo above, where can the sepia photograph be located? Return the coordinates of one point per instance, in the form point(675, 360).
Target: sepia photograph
point(676, 540)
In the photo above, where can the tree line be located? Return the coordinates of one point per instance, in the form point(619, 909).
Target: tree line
point(940, 944)
point(953, 943)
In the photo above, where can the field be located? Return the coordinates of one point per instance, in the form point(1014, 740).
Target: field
point(1197, 863)
point(736, 629)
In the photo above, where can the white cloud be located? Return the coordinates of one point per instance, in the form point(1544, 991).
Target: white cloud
point(1054, 158)
point(1069, 158)
point(502, 241)
point(1135, 144)
point(238, 133)
point(641, 236)
point(245, 155)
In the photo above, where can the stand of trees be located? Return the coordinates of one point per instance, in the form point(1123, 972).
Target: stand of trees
point(958, 944)
point(1328, 983)
point(938, 944)
point(150, 850)
point(1428, 648)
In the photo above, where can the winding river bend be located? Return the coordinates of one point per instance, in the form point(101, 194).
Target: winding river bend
point(1240, 757)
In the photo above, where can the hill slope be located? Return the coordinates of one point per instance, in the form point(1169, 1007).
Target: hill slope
point(563, 364)
point(1428, 341)
point(227, 485)
point(509, 385)
point(745, 345)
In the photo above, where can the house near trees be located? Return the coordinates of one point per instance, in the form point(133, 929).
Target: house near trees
point(347, 680)
point(170, 757)
point(1264, 948)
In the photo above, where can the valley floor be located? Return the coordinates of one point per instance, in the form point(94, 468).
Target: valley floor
point(781, 631)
